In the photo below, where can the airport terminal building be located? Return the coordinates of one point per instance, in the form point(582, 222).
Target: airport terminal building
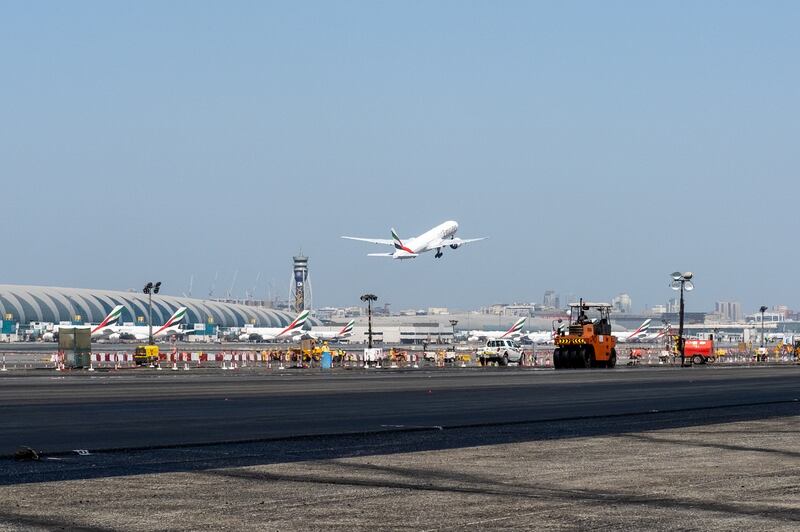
point(26, 304)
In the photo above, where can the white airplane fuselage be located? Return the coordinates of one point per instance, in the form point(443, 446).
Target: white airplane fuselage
point(541, 337)
point(264, 333)
point(422, 243)
point(139, 332)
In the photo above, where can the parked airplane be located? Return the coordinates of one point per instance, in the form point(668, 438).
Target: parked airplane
point(638, 335)
point(513, 332)
point(142, 332)
point(260, 334)
point(542, 337)
point(437, 239)
point(97, 331)
point(336, 334)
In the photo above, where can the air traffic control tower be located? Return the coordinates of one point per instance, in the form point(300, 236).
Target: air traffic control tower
point(301, 283)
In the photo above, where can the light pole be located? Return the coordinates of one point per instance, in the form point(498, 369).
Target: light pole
point(150, 288)
point(681, 281)
point(453, 324)
point(763, 309)
point(369, 298)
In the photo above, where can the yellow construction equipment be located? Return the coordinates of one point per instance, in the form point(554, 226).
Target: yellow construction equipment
point(146, 355)
point(588, 342)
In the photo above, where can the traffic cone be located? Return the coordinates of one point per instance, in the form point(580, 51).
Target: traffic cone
point(4, 364)
point(91, 365)
point(174, 366)
point(186, 366)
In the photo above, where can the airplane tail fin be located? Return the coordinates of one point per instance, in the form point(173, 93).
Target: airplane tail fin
point(517, 327)
point(642, 328)
point(347, 329)
point(398, 244)
point(297, 324)
point(112, 318)
point(174, 319)
point(177, 317)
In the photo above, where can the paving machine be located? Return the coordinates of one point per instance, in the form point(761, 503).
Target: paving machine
point(587, 341)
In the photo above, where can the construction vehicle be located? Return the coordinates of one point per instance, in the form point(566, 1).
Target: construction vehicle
point(699, 351)
point(587, 342)
point(146, 355)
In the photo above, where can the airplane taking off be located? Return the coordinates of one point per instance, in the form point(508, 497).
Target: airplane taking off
point(638, 334)
point(260, 334)
point(436, 239)
point(513, 332)
point(101, 329)
point(337, 334)
point(142, 332)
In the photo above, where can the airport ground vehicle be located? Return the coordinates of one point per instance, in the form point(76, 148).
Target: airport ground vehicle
point(588, 343)
point(699, 351)
point(145, 355)
point(501, 351)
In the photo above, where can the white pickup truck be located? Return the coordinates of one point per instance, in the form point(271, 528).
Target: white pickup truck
point(501, 351)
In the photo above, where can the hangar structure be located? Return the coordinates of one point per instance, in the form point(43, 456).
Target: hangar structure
point(26, 304)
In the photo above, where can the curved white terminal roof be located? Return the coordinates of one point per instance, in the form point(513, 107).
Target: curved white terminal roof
point(54, 304)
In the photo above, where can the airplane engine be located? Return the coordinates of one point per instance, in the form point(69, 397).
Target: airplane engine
point(114, 337)
point(48, 337)
point(455, 246)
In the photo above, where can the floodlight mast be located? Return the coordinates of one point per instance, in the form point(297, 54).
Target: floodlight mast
point(150, 288)
point(681, 281)
point(369, 298)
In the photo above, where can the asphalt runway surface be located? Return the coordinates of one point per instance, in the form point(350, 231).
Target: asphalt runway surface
point(145, 409)
point(706, 448)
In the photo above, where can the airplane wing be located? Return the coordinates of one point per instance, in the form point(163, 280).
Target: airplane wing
point(380, 254)
point(383, 241)
point(444, 242)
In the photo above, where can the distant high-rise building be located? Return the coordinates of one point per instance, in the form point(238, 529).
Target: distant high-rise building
point(673, 305)
point(782, 309)
point(729, 310)
point(622, 303)
point(550, 299)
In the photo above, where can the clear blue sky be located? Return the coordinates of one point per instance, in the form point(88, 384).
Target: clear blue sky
point(601, 145)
